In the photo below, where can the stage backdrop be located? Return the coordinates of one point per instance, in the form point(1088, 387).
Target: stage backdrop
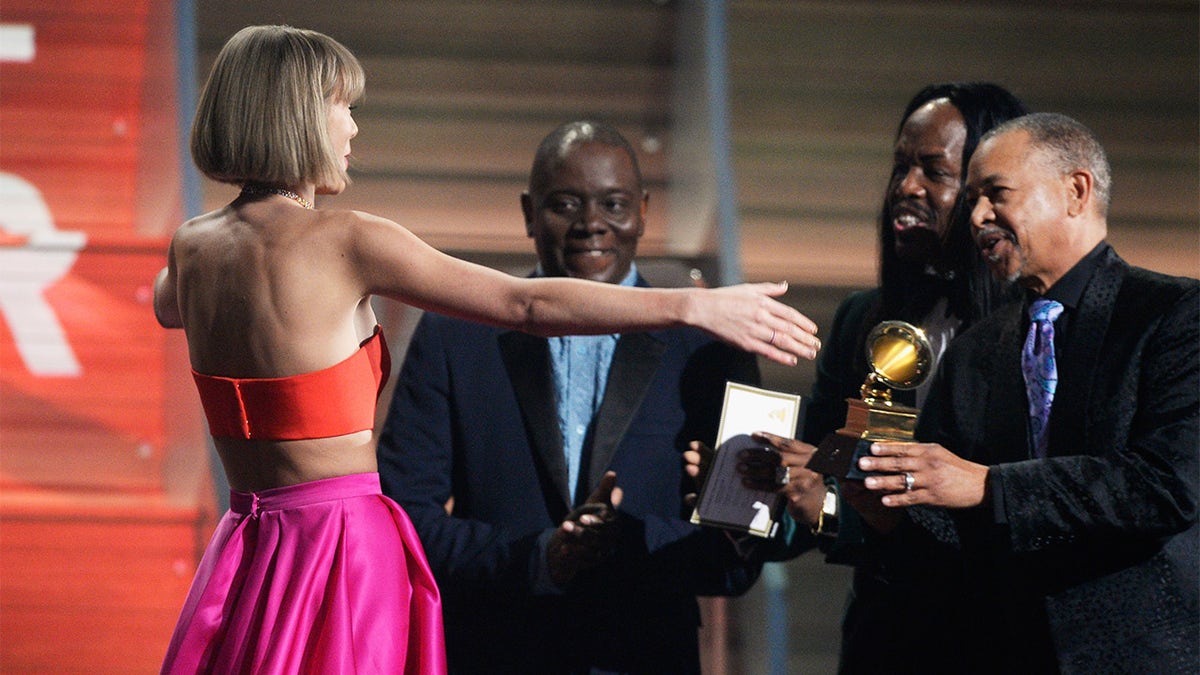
point(104, 498)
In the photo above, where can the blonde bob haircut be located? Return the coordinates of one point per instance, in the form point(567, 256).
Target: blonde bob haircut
point(263, 113)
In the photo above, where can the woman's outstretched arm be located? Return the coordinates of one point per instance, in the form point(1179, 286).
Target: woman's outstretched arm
point(395, 263)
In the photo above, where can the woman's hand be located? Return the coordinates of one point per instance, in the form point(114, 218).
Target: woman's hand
point(749, 317)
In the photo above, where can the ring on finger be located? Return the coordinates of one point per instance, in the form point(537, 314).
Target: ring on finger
point(908, 481)
point(772, 340)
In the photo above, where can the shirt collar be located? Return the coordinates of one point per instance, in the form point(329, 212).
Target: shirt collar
point(1068, 290)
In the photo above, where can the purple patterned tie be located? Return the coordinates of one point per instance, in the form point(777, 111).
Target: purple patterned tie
point(1039, 369)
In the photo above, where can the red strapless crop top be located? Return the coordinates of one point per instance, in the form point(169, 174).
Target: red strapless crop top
point(332, 401)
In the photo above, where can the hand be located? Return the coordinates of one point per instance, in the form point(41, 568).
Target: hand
point(747, 316)
point(804, 491)
point(588, 534)
point(696, 463)
point(938, 476)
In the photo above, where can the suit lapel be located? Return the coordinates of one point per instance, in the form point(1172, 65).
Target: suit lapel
point(634, 364)
point(1006, 401)
point(527, 359)
point(1077, 367)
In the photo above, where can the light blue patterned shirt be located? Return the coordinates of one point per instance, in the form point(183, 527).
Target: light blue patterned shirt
point(580, 364)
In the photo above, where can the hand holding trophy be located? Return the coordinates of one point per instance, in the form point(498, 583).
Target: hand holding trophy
point(900, 357)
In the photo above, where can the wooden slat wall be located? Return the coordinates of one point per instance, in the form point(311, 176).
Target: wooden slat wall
point(818, 88)
point(460, 92)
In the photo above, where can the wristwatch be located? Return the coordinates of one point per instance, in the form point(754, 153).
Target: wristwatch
point(827, 519)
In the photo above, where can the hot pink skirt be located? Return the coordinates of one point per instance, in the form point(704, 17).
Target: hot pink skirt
point(321, 577)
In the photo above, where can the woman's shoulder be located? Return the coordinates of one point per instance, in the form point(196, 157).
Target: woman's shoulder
point(203, 224)
point(360, 227)
point(205, 236)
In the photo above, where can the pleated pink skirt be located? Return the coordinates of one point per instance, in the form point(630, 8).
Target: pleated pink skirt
point(321, 577)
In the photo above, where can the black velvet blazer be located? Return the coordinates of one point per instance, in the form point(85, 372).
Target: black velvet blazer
point(1087, 560)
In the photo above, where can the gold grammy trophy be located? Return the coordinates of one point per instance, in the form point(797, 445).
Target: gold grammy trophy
point(900, 357)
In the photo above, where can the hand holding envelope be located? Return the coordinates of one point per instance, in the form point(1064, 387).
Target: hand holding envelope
point(726, 499)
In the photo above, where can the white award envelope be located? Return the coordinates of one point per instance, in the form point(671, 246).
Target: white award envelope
point(748, 409)
point(723, 500)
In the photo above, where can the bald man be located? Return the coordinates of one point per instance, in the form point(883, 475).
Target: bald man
point(566, 548)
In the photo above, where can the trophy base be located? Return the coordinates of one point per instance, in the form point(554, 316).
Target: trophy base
point(838, 454)
point(880, 421)
point(866, 422)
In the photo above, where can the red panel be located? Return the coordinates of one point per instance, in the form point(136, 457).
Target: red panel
point(104, 495)
point(83, 363)
point(71, 116)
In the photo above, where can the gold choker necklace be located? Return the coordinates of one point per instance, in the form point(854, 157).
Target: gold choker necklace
point(260, 190)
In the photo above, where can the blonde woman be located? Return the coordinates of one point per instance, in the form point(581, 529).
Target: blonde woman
point(273, 296)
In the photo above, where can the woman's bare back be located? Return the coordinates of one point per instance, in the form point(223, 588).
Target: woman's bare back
point(265, 290)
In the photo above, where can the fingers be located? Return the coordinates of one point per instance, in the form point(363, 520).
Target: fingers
point(573, 549)
point(923, 473)
point(697, 459)
point(600, 507)
point(783, 312)
point(892, 482)
point(773, 289)
point(791, 331)
point(884, 464)
point(603, 494)
point(589, 533)
point(782, 443)
point(895, 457)
point(589, 520)
point(793, 453)
point(775, 330)
point(777, 442)
point(898, 449)
point(697, 455)
point(617, 495)
point(896, 461)
point(781, 468)
point(787, 334)
point(586, 525)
